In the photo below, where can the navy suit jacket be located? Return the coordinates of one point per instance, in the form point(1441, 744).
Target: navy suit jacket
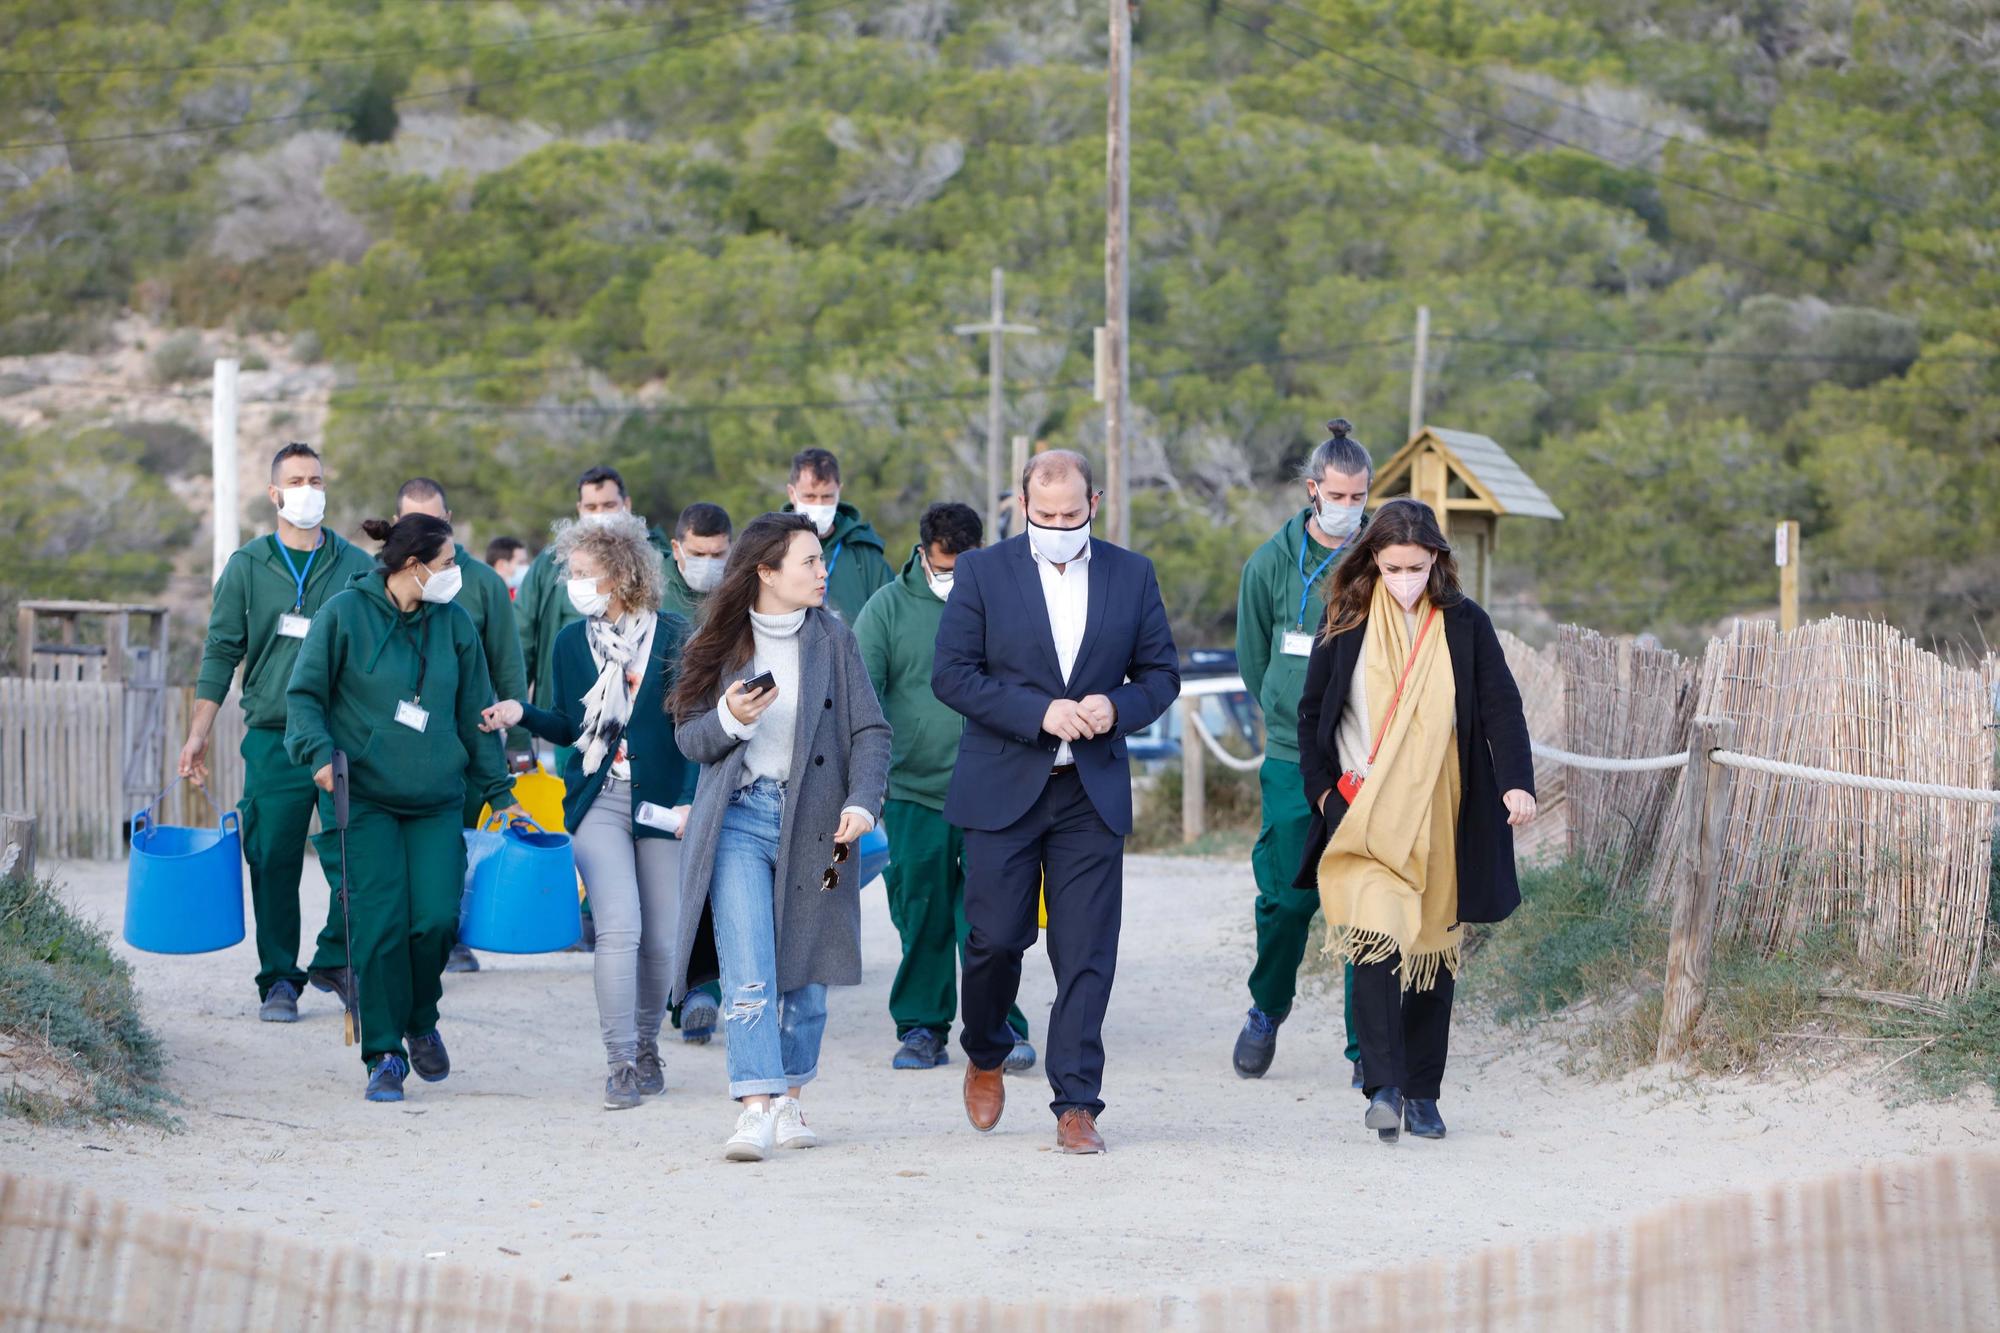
point(996, 665)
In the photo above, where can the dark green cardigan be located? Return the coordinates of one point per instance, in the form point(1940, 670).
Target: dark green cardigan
point(660, 772)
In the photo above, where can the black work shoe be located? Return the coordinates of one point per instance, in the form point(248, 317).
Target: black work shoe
point(652, 1078)
point(335, 981)
point(921, 1049)
point(460, 959)
point(1019, 1060)
point(428, 1057)
point(1256, 1044)
point(385, 1079)
point(1421, 1118)
point(698, 1018)
point(281, 1003)
point(621, 1088)
point(1356, 1082)
point(1385, 1114)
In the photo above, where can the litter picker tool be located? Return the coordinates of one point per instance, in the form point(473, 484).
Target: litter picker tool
point(351, 1012)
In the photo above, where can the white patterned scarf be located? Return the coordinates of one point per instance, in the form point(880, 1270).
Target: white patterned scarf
point(607, 705)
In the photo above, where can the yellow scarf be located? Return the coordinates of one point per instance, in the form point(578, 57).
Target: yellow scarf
point(1388, 880)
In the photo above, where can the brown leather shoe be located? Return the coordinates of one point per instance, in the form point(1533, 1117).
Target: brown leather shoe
point(1077, 1132)
point(985, 1096)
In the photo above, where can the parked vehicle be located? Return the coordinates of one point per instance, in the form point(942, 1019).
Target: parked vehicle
point(1227, 710)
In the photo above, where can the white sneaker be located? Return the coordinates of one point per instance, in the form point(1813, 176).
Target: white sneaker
point(793, 1131)
point(753, 1137)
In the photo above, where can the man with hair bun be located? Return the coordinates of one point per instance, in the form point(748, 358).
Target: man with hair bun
point(264, 603)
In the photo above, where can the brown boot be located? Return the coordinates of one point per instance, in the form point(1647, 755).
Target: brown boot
point(985, 1096)
point(1077, 1132)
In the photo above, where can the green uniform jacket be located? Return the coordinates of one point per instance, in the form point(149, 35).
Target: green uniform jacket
point(1267, 608)
point(679, 599)
point(362, 658)
point(898, 635)
point(854, 561)
point(660, 772)
point(255, 589)
point(486, 599)
point(543, 611)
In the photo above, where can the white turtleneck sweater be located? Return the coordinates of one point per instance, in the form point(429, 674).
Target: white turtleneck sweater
point(767, 750)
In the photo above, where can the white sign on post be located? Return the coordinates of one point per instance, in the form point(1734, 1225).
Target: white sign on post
point(1784, 555)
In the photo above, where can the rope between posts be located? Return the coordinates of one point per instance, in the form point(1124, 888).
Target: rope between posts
point(1603, 764)
point(1214, 747)
point(1732, 759)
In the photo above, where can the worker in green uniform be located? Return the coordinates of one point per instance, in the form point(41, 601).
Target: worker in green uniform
point(700, 549)
point(897, 631)
point(855, 566)
point(392, 673)
point(265, 601)
point(485, 597)
point(542, 607)
point(1278, 610)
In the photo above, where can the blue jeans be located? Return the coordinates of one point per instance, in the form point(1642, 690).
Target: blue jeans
point(765, 1057)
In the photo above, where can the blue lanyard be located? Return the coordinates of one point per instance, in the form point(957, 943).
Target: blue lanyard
point(1305, 594)
point(834, 559)
point(299, 576)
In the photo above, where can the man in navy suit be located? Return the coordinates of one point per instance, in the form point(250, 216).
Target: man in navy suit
point(1054, 647)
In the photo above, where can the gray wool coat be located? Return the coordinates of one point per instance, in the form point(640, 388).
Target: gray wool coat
point(840, 757)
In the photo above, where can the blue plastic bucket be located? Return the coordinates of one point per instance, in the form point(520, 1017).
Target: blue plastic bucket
point(184, 886)
point(874, 854)
point(520, 891)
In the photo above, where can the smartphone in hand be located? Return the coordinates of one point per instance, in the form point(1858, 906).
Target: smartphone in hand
point(759, 683)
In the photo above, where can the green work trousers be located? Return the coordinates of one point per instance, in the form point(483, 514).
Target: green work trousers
point(404, 876)
point(276, 810)
point(1285, 914)
point(926, 883)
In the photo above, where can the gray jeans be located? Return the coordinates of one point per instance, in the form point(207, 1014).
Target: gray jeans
point(634, 888)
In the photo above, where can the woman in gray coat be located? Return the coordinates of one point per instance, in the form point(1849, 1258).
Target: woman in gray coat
point(793, 773)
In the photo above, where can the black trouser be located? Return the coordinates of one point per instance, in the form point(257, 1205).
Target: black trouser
point(1062, 847)
point(1404, 1034)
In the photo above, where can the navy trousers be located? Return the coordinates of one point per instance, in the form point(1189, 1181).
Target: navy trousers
point(1061, 845)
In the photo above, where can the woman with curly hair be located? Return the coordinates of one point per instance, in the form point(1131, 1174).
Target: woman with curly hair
point(626, 785)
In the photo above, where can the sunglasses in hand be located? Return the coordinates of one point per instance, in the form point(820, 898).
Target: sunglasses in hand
point(830, 879)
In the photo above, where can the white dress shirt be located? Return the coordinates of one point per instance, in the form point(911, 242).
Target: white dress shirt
point(1067, 592)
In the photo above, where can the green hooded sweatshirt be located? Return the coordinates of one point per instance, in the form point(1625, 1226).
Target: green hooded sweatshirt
point(855, 565)
point(898, 635)
point(486, 599)
point(543, 611)
point(1267, 609)
point(256, 588)
point(361, 659)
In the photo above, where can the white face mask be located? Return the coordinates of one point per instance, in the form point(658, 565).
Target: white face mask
point(302, 506)
point(1407, 588)
point(1338, 521)
point(588, 601)
point(600, 518)
point(703, 572)
point(940, 583)
point(822, 516)
point(1059, 546)
point(443, 584)
point(516, 577)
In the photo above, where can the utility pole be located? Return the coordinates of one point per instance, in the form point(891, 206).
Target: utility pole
point(1418, 363)
point(222, 463)
point(995, 328)
point(1117, 247)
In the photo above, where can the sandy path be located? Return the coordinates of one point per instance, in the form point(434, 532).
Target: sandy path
point(1210, 1181)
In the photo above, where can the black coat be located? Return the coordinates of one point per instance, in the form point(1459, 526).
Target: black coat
point(1493, 755)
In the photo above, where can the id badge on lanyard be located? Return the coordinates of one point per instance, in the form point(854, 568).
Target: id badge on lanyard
point(413, 715)
point(1296, 643)
point(293, 625)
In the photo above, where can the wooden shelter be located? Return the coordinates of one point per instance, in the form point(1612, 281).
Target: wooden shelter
point(1472, 484)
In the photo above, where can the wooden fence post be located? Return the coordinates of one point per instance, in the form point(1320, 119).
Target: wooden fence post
point(17, 845)
point(1194, 772)
point(1696, 905)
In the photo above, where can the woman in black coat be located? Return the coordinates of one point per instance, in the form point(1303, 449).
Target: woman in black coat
point(1412, 739)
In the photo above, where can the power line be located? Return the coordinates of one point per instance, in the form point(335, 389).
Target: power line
point(408, 98)
point(352, 57)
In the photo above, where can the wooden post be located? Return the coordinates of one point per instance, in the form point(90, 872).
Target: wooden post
point(222, 465)
point(1117, 245)
point(1788, 574)
point(1699, 897)
point(17, 845)
point(1419, 361)
point(1194, 772)
point(995, 329)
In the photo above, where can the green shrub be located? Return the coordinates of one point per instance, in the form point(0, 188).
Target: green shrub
point(69, 1017)
point(184, 356)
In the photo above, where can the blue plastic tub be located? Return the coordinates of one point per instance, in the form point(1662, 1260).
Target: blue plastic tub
point(521, 891)
point(184, 886)
point(873, 850)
